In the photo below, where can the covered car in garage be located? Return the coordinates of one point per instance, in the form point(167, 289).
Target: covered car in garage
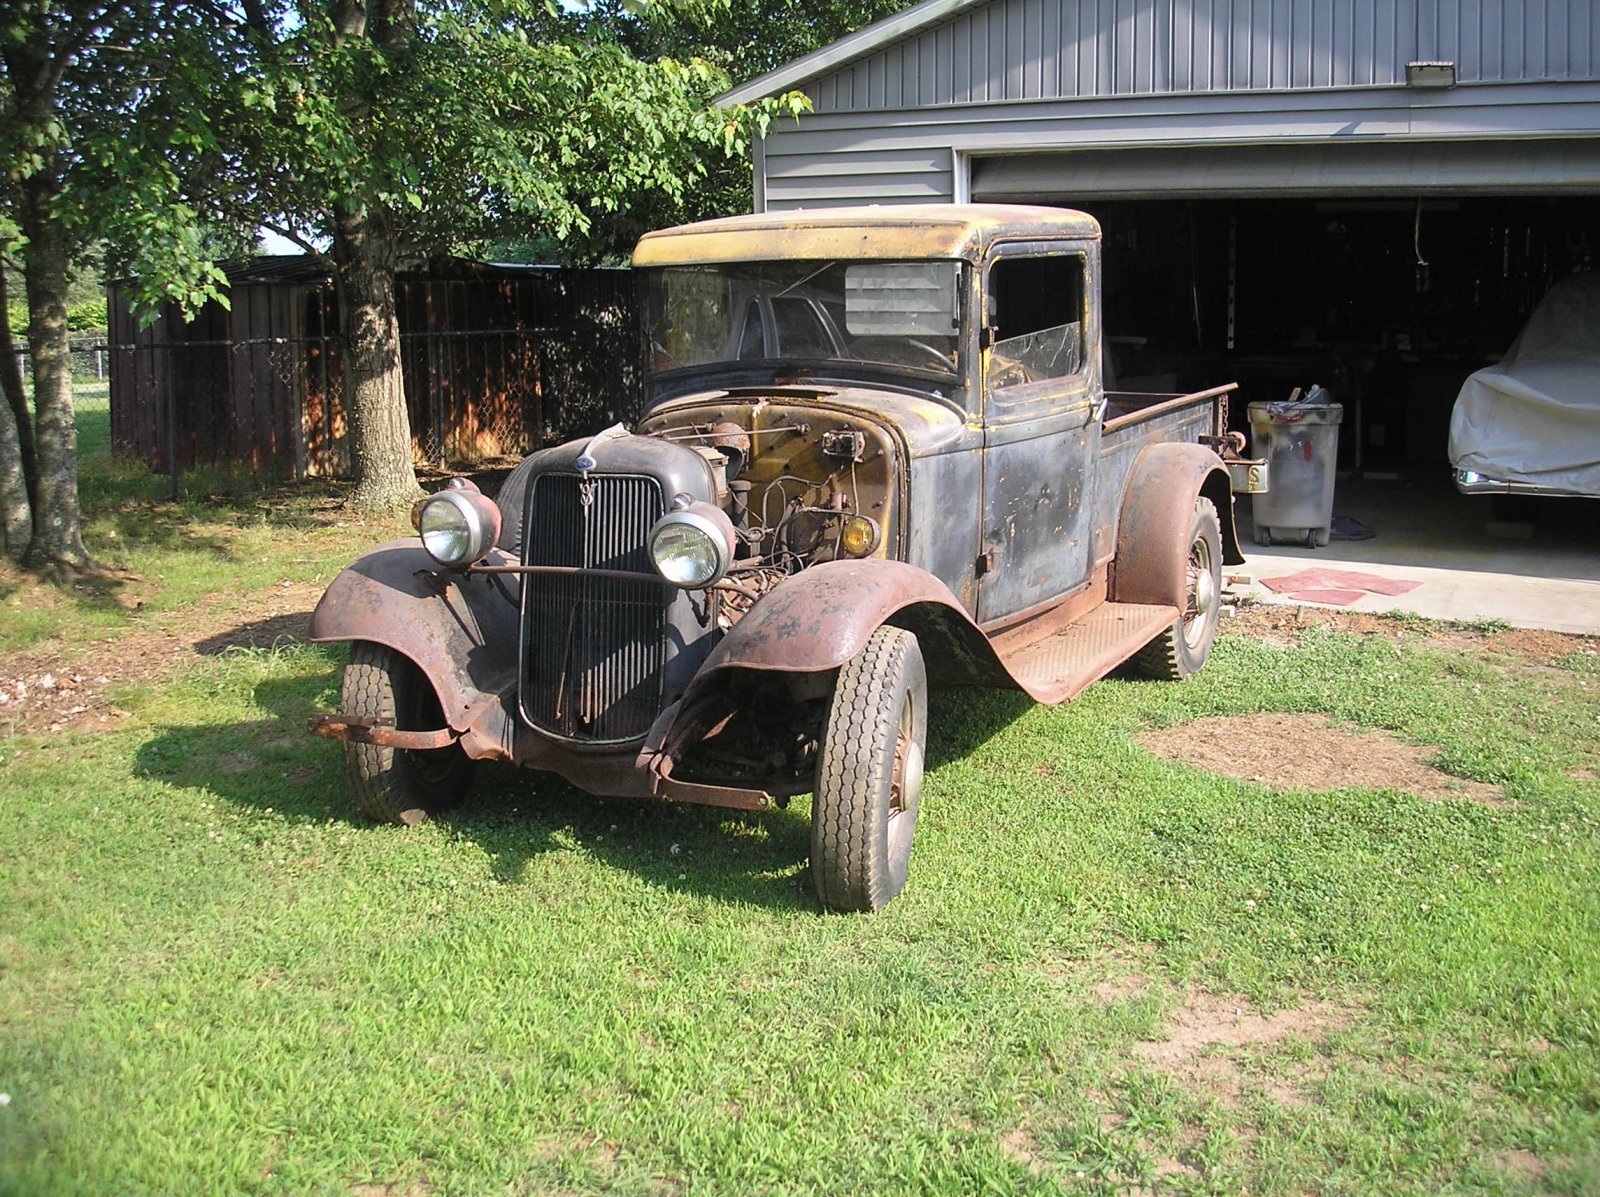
point(1531, 423)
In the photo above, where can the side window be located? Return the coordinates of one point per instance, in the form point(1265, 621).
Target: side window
point(1037, 313)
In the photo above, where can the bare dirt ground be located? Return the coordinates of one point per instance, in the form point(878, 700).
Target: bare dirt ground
point(1210, 1042)
point(59, 686)
point(1325, 757)
point(1281, 624)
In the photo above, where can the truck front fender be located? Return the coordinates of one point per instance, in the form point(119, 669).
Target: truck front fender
point(460, 629)
point(813, 623)
point(820, 618)
point(1153, 529)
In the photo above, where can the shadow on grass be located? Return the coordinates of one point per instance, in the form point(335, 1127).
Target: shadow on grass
point(290, 628)
point(94, 592)
point(276, 768)
point(961, 721)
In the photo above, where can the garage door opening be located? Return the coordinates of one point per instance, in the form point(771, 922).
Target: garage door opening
point(1388, 302)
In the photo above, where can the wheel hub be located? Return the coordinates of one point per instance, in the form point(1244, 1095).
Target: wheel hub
point(1205, 594)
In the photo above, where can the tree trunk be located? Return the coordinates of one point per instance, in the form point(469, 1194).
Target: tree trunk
point(57, 541)
point(16, 514)
point(16, 397)
point(380, 426)
point(16, 470)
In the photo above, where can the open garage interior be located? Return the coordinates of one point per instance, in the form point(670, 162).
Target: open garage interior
point(1388, 301)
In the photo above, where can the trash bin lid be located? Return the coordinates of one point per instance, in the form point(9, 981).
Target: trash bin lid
point(1298, 411)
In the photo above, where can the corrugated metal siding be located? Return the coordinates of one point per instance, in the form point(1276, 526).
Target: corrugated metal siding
point(1364, 168)
point(838, 158)
point(799, 175)
point(1063, 49)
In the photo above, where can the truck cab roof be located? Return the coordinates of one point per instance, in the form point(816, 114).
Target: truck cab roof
point(896, 231)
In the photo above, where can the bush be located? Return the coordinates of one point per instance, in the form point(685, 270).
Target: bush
point(88, 316)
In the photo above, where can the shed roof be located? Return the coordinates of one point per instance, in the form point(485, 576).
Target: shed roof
point(893, 231)
point(304, 268)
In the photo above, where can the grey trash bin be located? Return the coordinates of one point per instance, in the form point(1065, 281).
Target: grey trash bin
point(1300, 441)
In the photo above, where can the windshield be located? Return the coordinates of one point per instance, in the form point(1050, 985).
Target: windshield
point(904, 315)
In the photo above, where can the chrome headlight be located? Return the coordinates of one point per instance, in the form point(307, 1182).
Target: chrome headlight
point(458, 525)
point(692, 547)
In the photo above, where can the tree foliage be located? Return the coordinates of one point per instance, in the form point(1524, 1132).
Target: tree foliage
point(404, 129)
point(370, 131)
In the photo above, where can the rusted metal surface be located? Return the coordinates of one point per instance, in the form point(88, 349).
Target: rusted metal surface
point(820, 618)
point(1157, 513)
point(372, 729)
point(730, 797)
point(1033, 541)
point(460, 630)
point(1177, 403)
point(1062, 665)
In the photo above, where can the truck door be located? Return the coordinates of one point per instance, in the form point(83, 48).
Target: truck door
point(1041, 419)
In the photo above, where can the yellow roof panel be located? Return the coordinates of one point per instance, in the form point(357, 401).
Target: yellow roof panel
point(887, 231)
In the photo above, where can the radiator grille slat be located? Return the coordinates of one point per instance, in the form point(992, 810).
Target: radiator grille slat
point(593, 648)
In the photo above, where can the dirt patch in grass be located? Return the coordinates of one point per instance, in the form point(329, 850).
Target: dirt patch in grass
point(1306, 752)
point(1523, 1165)
point(394, 1188)
point(1208, 1039)
point(1123, 988)
point(1018, 1146)
point(1281, 625)
point(61, 687)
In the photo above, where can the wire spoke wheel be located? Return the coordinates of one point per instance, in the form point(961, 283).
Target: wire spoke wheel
point(1182, 650)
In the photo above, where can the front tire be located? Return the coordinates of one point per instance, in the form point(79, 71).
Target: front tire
point(398, 785)
point(1182, 650)
point(869, 774)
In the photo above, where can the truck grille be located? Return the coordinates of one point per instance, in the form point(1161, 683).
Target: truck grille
point(593, 648)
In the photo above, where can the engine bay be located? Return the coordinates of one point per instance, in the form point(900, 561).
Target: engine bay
point(801, 484)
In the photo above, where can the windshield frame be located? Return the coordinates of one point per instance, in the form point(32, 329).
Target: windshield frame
point(755, 290)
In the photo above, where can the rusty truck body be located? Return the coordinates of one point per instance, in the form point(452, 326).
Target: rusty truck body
point(877, 456)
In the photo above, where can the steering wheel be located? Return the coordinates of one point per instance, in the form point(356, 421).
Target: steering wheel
point(938, 355)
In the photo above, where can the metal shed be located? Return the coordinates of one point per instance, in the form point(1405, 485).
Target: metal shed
point(498, 360)
point(1371, 194)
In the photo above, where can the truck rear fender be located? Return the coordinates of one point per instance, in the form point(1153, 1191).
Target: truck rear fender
point(460, 630)
point(1157, 510)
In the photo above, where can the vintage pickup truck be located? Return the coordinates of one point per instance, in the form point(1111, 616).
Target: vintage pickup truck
point(876, 457)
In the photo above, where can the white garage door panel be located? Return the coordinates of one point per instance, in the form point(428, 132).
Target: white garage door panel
point(1544, 167)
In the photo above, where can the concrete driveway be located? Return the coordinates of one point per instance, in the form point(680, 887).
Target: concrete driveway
point(1440, 554)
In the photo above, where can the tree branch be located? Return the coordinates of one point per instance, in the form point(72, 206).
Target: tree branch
point(289, 234)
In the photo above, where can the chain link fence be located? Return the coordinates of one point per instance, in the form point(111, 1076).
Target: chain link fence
point(191, 396)
point(90, 356)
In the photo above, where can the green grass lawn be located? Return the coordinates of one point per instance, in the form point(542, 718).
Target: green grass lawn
point(214, 979)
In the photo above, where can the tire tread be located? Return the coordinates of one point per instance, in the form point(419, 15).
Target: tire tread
point(858, 758)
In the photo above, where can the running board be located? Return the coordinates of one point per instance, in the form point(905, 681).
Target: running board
point(1061, 665)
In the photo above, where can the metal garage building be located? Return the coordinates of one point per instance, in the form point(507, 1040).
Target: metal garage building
point(1370, 194)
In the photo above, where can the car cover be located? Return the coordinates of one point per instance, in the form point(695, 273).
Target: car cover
point(1535, 417)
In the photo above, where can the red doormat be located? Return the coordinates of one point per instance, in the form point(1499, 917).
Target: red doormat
point(1335, 587)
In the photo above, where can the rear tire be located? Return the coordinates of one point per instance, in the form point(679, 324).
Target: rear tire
point(869, 774)
point(398, 785)
point(1182, 650)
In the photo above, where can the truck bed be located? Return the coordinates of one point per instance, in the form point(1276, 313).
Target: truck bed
point(1125, 409)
